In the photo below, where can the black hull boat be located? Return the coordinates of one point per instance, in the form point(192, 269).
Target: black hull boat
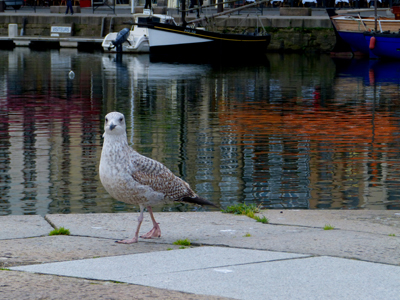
point(182, 43)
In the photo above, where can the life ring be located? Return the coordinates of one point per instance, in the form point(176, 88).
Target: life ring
point(372, 43)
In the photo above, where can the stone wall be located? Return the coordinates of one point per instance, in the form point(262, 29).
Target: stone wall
point(302, 39)
point(83, 25)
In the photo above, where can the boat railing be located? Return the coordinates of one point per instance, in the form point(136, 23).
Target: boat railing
point(199, 7)
point(227, 12)
point(391, 21)
point(360, 21)
point(381, 22)
point(104, 3)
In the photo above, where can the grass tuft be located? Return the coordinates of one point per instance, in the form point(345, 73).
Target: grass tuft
point(328, 227)
point(247, 235)
point(59, 231)
point(242, 209)
point(262, 219)
point(184, 242)
point(392, 234)
point(248, 210)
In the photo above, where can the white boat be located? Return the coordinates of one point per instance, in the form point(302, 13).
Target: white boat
point(170, 42)
point(180, 43)
point(137, 41)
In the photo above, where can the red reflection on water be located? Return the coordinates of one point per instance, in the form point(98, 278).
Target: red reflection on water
point(48, 147)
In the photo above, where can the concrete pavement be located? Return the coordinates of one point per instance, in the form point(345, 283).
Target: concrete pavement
point(231, 256)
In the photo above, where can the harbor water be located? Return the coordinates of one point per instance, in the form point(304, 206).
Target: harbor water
point(293, 131)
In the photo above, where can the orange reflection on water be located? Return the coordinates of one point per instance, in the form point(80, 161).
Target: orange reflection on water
point(357, 126)
point(342, 151)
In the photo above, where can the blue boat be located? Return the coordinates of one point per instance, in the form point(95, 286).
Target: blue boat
point(356, 40)
point(355, 31)
point(383, 45)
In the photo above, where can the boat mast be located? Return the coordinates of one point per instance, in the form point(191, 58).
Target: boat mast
point(376, 14)
point(183, 8)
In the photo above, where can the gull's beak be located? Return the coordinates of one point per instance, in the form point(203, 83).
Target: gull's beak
point(112, 126)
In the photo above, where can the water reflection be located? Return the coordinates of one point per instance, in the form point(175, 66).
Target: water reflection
point(299, 131)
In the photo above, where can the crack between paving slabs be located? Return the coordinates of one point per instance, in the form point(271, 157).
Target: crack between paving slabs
point(235, 265)
point(334, 229)
point(50, 222)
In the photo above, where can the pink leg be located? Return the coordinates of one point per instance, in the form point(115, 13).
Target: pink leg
point(156, 231)
point(136, 237)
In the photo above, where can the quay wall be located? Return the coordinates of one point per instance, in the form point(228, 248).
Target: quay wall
point(289, 33)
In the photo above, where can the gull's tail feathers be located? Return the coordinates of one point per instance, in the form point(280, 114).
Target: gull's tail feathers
point(197, 200)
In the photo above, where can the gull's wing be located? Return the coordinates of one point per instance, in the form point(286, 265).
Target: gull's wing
point(158, 177)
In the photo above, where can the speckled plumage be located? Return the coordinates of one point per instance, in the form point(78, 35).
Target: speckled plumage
point(133, 178)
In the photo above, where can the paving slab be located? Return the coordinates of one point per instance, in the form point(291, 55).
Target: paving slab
point(310, 278)
point(215, 228)
point(123, 268)
point(16, 227)
point(372, 221)
point(239, 273)
point(63, 248)
point(27, 286)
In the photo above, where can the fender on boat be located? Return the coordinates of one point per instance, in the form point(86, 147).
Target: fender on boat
point(372, 43)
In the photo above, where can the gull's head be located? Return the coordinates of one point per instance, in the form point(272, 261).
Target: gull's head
point(114, 124)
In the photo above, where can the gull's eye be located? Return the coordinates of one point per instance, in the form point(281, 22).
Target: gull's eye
point(120, 119)
point(106, 120)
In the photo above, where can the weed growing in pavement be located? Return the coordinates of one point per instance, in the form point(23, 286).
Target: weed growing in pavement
point(59, 231)
point(248, 210)
point(329, 227)
point(262, 219)
point(242, 209)
point(184, 242)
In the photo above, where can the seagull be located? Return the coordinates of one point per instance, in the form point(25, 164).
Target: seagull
point(136, 179)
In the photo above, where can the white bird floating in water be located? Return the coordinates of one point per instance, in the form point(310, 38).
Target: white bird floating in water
point(133, 178)
point(71, 74)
